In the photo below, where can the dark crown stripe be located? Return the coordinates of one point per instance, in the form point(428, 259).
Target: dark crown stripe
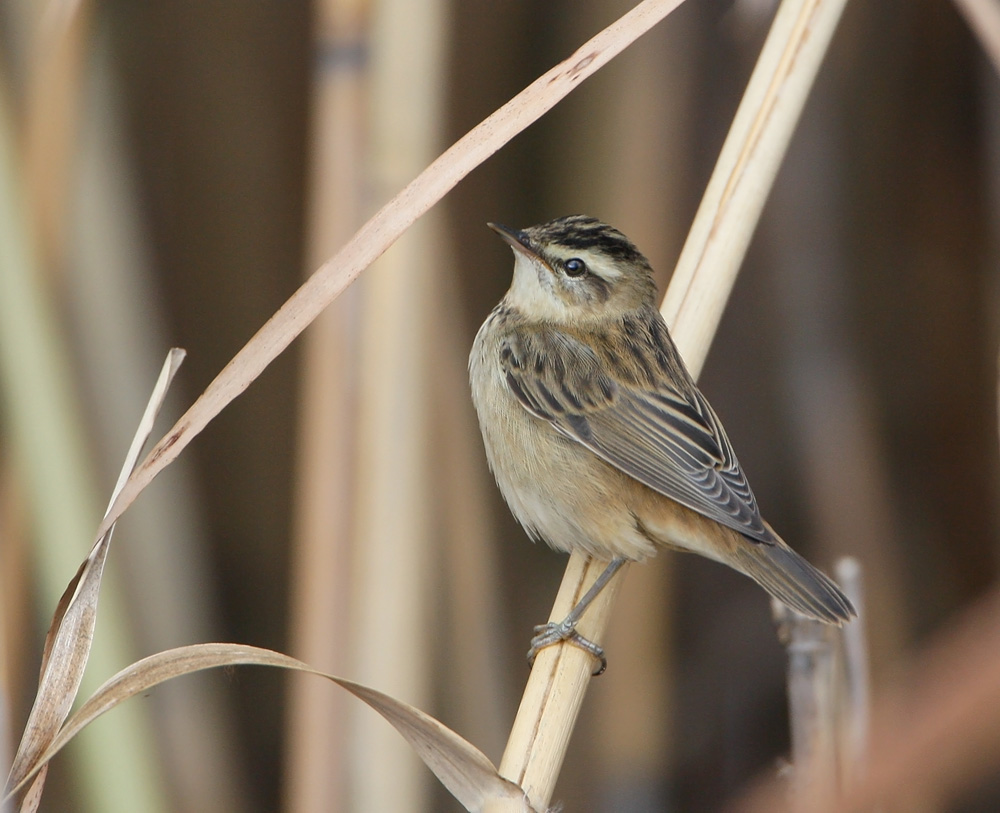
point(587, 233)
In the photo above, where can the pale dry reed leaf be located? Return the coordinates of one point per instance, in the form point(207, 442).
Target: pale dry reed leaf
point(67, 644)
point(33, 796)
point(371, 241)
point(173, 361)
point(462, 768)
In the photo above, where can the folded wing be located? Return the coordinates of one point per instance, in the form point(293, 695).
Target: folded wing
point(659, 431)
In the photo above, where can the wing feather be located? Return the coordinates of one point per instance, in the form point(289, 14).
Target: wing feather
point(654, 426)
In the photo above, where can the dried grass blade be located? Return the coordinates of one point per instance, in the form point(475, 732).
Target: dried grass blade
point(33, 796)
point(67, 644)
point(460, 766)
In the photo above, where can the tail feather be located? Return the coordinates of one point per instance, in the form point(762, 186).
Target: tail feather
point(792, 580)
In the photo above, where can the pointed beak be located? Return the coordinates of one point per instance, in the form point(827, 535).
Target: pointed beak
point(517, 240)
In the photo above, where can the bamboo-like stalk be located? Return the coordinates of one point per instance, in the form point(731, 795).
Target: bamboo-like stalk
point(321, 560)
point(639, 124)
point(394, 577)
point(555, 689)
point(693, 306)
point(51, 121)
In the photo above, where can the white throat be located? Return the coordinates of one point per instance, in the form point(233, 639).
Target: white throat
point(532, 291)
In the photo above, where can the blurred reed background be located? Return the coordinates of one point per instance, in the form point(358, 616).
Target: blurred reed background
point(174, 169)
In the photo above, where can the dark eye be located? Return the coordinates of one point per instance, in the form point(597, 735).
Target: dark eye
point(575, 267)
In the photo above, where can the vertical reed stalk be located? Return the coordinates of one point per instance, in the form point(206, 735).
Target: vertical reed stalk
point(321, 559)
point(693, 306)
point(394, 577)
point(637, 121)
point(812, 705)
point(855, 714)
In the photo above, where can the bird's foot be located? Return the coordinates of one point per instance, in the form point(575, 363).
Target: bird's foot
point(565, 630)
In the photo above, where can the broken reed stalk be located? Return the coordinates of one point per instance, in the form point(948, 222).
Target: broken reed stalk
point(935, 729)
point(693, 306)
point(828, 697)
point(855, 713)
point(813, 666)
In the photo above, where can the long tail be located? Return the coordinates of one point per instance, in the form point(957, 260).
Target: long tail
point(791, 579)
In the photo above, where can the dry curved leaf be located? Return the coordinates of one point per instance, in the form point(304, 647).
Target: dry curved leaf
point(68, 641)
point(462, 768)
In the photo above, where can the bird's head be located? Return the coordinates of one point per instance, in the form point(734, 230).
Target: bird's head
point(575, 269)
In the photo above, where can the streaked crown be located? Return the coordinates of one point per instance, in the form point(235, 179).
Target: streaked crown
point(574, 268)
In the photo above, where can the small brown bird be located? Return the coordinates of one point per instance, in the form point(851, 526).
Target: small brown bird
point(598, 436)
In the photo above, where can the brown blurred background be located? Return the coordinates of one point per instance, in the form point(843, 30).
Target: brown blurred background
point(182, 165)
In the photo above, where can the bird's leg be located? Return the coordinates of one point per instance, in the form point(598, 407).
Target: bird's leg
point(565, 630)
